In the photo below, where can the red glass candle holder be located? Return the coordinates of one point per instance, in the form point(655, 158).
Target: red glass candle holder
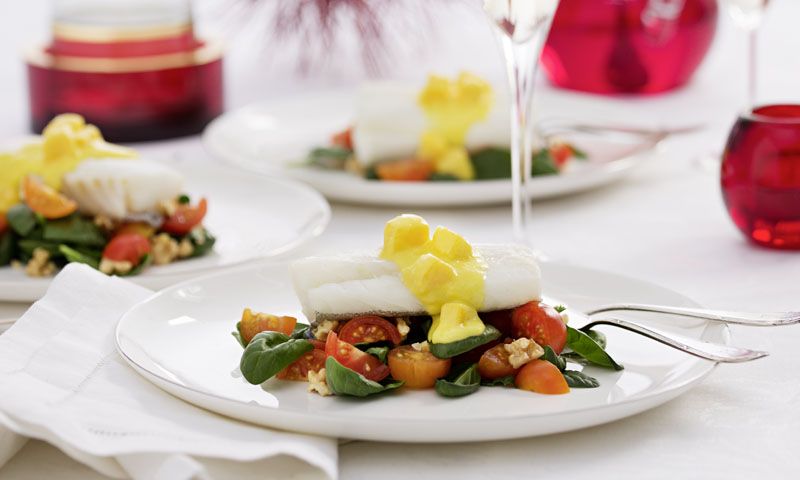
point(628, 46)
point(761, 175)
point(135, 83)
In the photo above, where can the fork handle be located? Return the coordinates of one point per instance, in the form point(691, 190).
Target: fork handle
point(706, 350)
point(770, 319)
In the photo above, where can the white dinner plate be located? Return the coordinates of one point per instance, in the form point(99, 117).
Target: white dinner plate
point(274, 138)
point(252, 217)
point(180, 339)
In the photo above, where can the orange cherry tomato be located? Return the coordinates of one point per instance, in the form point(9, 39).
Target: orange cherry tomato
point(494, 363)
point(408, 170)
point(313, 361)
point(127, 247)
point(354, 359)
point(416, 368)
point(185, 218)
point(3, 223)
point(541, 323)
point(252, 324)
point(142, 228)
point(541, 376)
point(369, 329)
point(45, 200)
point(343, 139)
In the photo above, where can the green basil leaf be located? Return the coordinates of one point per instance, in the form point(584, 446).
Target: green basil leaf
point(144, 263)
point(344, 381)
point(499, 382)
point(300, 331)
point(583, 345)
point(551, 356)
point(27, 246)
point(491, 164)
point(598, 337)
point(238, 336)
point(73, 255)
point(7, 247)
point(449, 350)
point(462, 384)
point(331, 158)
point(202, 242)
point(21, 219)
point(578, 153)
point(543, 163)
point(74, 230)
point(270, 352)
point(379, 352)
point(576, 379)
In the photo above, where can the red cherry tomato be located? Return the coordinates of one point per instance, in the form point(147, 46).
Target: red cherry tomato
point(343, 139)
point(541, 323)
point(369, 329)
point(354, 359)
point(185, 218)
point(127, 247)
point(541, 376)
point(313, 361)
point(561, 153)
point(500, 319)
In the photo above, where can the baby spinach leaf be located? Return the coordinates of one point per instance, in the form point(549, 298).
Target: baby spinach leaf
point(332, 158)
point(543, 163)
point(576, 379)
point(449, 350)
point(551, 356)
point(144, 263)
point(491, 164)
point(6, 248)
point(27, 246)
point(344, 381)
point(21, 219)
point(238, 336)
point(585, 346)
point(73, 255)
point(202, 241)
point(598, 337)
point(74, 230)
point(270, 352)
point(300, 331)
point(462, 384)
point(499, 382)
point(379, 352)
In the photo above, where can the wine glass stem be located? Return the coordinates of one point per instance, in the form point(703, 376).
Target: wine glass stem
point(521, 65)
point(752, 66)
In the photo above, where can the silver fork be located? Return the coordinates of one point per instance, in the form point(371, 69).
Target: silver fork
point(710, 351)
point(764, 319)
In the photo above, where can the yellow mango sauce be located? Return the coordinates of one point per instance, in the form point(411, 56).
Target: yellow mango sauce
point(452, 107)
point(443, 272)
point(65, 142)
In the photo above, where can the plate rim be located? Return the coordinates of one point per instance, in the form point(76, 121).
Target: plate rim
point(677, 388)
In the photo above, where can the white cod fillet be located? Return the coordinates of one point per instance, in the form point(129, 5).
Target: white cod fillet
point(389, 123)
point(122, 187)
point(343, 286)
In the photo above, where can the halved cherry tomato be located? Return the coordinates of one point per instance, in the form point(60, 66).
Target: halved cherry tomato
point(494, 363)
point(354, 359)
point(541, 323)
point(369, 329)
point(318, 344)
point(541, 376)
point(500, 319)
point(417, 369)
point(3, 223)
point(127, 247)
point(142, 228)
point(343, 139)
point(408, 170)
point(561, 153)
point(45, 200)
point(252, 324)
point(185, 218)
point(313, 361)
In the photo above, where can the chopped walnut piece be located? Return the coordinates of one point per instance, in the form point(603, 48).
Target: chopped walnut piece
point(165, 249)
point(40, 265)
point(522, 351)
point(318, 384)
point(104, 222)
point(185, 248)
point(402, 326)
point(323, 329)
point(421, 346)
point(113, 267)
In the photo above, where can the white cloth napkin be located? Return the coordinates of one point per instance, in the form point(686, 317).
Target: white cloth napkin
point(62, 381)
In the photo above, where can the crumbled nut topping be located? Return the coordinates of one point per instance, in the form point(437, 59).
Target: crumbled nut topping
point(40, 265)
point(318, 384)
point(323, 329)
point(522, 351)
point(402, 326)
point(112, 267)
point(165, 249)
point(185, 248)
point(421, 346)
point(168, 207)
point(104, 222)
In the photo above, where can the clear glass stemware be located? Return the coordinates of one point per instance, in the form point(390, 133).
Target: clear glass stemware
point(522, 27)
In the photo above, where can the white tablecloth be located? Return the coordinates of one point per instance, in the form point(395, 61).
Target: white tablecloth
point(666, 224)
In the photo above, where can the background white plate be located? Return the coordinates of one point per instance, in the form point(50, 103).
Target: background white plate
point(251, 216)
point(274, 138)
point(180, 340)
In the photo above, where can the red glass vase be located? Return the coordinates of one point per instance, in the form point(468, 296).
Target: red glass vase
point(628, 46)
point(761, 175)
